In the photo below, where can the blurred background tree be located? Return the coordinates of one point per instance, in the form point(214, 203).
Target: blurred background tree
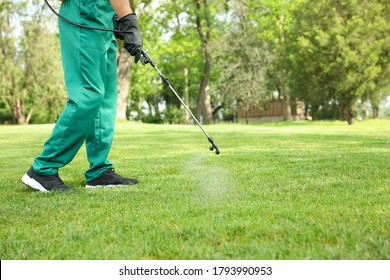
point(31, 79)
point(339, 55)
point(219, 55)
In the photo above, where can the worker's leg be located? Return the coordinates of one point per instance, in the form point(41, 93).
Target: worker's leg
point(84, 56)
point(100, 139)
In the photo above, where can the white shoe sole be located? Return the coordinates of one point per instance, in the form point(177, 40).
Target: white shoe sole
point(30, 182)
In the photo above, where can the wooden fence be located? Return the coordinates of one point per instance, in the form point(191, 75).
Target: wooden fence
point(273, 111)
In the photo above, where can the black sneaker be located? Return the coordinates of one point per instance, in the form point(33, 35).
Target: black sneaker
point(44, 183)
point(110, 179)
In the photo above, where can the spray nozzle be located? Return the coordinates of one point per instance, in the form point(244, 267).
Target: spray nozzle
point(213, 146)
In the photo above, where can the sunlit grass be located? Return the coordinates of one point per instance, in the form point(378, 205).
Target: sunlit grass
point(306, 190)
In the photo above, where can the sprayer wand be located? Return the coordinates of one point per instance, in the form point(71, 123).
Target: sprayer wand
point(145, 59)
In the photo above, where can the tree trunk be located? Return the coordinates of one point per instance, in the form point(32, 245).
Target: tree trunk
point(286, 101)
point(283, 91)
point(18, 114)
point(247, 113)
point(351, 117)
point(348, 112)
point(187, 118)
point(286, 107)
point(204, 106)
point(124, 61)
point(375, 111)
point(29, 115)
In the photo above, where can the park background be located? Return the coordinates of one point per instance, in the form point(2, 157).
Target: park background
point(229, 60)
point(312, 184)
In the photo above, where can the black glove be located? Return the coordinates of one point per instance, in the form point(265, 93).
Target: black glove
point(131, 35)
point(118, 35)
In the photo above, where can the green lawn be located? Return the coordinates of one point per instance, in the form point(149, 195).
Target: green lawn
point(305, 190)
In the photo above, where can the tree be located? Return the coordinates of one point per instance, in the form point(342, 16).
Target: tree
point(203, 26)
point(274, 19)
point(30, 66)
point(339, 53)
point(245, 59)
point(179, 59)
point(173, 42)
point(124, 66)
point(188, 51)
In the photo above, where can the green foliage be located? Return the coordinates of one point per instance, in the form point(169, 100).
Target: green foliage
point(5, 113)
point(149, 118)
point(31, 74)
point(170, 40)
point(293, 190)
point(174, 115)
point(339, 53)
point(244, 60)
point(326, 53)
point(329, 54)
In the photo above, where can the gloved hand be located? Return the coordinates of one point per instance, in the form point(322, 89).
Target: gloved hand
point(118, 35)
point(131, 35)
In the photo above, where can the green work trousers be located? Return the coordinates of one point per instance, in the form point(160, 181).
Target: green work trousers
point(89, 63)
